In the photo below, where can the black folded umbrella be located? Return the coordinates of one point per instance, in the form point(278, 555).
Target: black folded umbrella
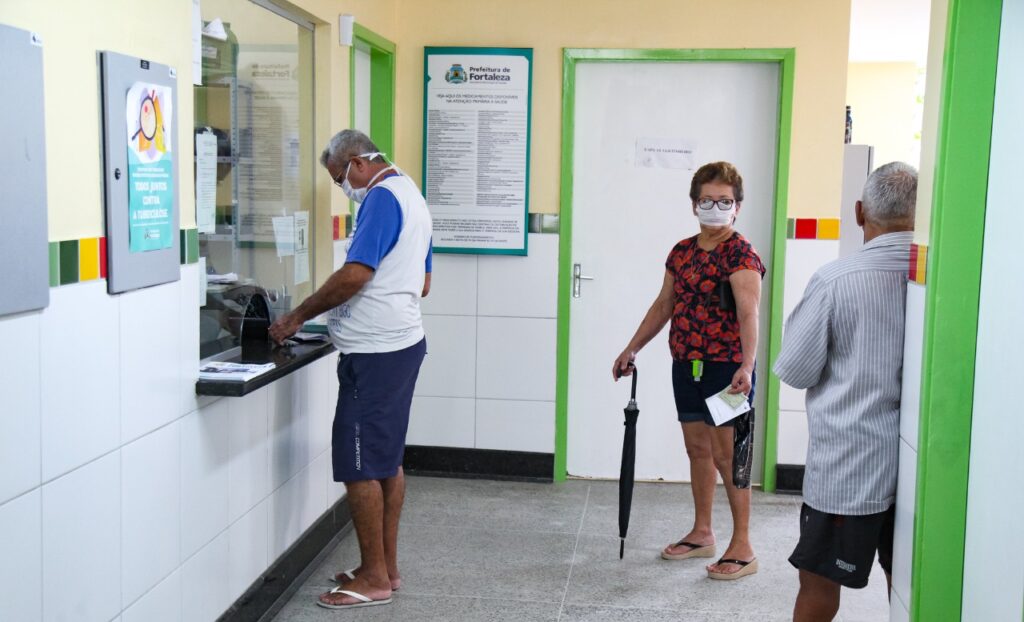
point(628, 464)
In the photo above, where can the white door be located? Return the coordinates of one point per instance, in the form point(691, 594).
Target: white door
point(628, 211)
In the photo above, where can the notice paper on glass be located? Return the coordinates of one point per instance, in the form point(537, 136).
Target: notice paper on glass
point(725, 406)
point(206, 182)
point(284, 235)
point(301, 247)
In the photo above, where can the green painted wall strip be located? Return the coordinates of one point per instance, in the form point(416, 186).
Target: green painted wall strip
point(382, 90)
point(778, 263)
point(372, 39)
point(951, 307)
point(786, 58)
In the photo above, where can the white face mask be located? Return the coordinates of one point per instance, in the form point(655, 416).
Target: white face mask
point(357, 195)
point(715, 217)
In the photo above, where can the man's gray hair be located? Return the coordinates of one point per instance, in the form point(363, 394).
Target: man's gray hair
point(346, 144)
point(890, 194)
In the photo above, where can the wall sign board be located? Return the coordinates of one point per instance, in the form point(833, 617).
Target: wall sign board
point(25, 280)
point(140, 175)
point(477, 148)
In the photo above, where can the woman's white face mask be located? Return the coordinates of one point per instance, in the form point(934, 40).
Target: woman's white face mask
point(357, 195)
point(716, 217)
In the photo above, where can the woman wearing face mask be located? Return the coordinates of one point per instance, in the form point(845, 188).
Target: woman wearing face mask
point(713, 340)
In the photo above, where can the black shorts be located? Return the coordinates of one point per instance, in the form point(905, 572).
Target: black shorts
point(842, 548)
point(372, 415)
point(690, 394)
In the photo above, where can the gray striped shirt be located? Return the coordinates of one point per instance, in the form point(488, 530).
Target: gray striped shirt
point(844, 344)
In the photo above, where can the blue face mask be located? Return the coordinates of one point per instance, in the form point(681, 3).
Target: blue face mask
point(357, 195)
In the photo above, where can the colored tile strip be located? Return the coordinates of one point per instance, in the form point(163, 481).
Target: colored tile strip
point(336, 220)
point(68, 262)
point(89, 259)
point(54, 264)
point(918, 263)
point(74, 261)
point(812, 229)
point(828, 229)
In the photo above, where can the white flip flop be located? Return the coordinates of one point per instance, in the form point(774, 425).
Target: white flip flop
point(347, 573)
point(363, 600)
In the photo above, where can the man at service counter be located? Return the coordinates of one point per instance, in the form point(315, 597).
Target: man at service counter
point(844, 344)
point(374, 321)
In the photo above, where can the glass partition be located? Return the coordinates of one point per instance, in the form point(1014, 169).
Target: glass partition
point(255, 165)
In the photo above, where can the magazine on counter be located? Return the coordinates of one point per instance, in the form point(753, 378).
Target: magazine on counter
point(232, 372)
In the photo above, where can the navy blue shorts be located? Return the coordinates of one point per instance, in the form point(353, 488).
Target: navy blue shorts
point(690, 394)
point(372, 416)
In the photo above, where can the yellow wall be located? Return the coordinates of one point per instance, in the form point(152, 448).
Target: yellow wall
point(818, 30)
point(930, 129)
point(73, 31)
point(884, 101)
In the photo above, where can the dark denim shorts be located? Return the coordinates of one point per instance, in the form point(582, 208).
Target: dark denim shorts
point(690, 394)
point(372, 415)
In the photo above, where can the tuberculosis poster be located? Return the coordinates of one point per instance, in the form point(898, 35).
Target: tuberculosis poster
point(477, 148)
point(150, 178)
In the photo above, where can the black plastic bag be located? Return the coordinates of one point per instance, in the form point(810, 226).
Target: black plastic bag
point(743, 449)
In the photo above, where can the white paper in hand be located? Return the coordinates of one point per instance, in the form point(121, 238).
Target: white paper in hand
point(725, 406)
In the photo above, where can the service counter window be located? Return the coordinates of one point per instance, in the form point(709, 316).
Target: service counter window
point(255, 167)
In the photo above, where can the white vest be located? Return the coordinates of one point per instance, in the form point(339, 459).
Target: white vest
point(384, 316)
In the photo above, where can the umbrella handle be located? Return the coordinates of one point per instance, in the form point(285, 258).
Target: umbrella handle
point(632, 392)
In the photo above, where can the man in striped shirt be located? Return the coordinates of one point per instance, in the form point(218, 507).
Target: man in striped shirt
point(844, 344)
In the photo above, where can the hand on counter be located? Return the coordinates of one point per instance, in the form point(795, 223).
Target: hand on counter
point(286, 326)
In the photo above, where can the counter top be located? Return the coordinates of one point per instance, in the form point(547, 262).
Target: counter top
point(287, 360)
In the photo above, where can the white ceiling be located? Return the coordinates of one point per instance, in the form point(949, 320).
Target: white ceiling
point(889, 30)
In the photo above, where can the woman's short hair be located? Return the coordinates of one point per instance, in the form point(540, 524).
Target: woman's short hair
point(721, 172)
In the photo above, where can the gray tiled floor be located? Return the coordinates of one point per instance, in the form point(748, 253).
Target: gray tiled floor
point(483, 551)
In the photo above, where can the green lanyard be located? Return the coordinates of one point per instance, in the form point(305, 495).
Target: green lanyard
point(698, 369)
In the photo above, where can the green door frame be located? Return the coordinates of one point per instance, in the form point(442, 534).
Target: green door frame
point(952, 294)
point(382, 89)
point(786, 58)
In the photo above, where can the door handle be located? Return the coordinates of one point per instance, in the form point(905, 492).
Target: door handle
point(577, 276)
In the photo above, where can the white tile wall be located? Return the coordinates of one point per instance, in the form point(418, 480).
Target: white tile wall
point(160, 604)
point(792, 436)
point(516, 358)
point(521, 286)
point(442, 421)
point(898, 612)
point(249, 452)
point(913, 350)
point(20, 419)
point(903, 542)
point(150, 511)
point(248, 555)
point(204, 476)
point(81, 367)
point(515, 426)
point(137, 522)
point(82, 543)
point(450, 367)
point(790, 398)
point(150, 385)
point(453, 286)
point(286, 513)
point(21, 542)
point(189, 340)
point(323, 396)
point(803, 258)
point(289, 428)
point(204, 582)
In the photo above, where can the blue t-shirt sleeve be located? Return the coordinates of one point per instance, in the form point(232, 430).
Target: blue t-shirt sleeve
point(430, 256)
point(378, 226)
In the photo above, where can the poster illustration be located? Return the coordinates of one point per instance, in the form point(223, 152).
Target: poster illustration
point(150, 170)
